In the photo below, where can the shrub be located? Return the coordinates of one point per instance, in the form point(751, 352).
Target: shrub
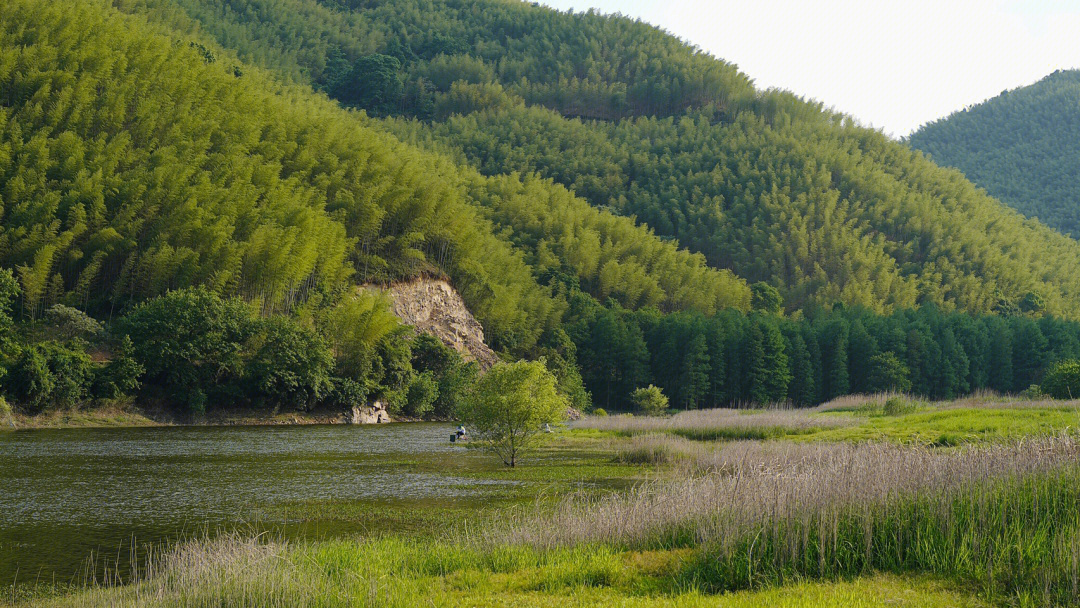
point(1032, 392)
point(421, 395)
point(347, 393)
point(898, 406)
point(72, 323)
point(599, 412)
point(120, 376)
point(190, 339)
point(50, 374)
point(1063, 380)
point(5, 413)
point(291, 364)
point(650, 400)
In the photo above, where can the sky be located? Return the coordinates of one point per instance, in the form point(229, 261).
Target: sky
point(893, 65)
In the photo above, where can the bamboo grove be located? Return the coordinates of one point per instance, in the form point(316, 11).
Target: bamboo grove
point(599, 192)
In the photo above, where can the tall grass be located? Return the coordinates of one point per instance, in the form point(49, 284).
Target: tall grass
point(720, 423)
point(1004, 516)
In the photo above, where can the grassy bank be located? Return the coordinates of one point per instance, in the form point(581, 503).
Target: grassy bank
point(861, 418)
point(851, 504)
point(396, 573)
point(718, 524)
point(131, 415)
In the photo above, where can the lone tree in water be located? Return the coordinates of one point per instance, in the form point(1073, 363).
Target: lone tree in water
point(509, 406)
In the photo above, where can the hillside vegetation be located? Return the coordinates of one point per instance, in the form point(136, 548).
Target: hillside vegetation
point(1021, 146)
point(765, 184)
point(135, 163)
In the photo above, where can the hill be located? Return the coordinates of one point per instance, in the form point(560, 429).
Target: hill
point(1022, 146)
point(629, 118)
point(134, 161)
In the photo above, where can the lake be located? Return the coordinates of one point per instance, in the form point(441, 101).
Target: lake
point(67, 494)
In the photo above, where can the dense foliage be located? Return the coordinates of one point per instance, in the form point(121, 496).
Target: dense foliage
point(636, 122)
point(134, 163)
point(510, 406)
point(178, 176)
point(196, 351)
point(1021, 146)
point(730, 358)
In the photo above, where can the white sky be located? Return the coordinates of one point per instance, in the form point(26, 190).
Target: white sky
point(891, 64)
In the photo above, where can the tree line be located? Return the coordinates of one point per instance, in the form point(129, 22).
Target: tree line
point(763, 357)
point(194, 351)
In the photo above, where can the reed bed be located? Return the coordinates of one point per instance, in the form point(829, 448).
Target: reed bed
point(1006, 516)
point(981, 399)
point(722, 423)
point(661, 448)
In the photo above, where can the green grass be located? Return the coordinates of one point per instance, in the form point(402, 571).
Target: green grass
point(398, 573)
point(1015, 542)
point(947, 427)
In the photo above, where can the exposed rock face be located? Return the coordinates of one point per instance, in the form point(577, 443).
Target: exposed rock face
point(369, 414)
point(435, 307)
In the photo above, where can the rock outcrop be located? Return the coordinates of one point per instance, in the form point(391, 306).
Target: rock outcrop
point(374, 413)
point(433, 306)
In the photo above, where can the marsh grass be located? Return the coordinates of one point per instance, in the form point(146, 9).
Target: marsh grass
point(660, 449)
point(1006, 517)
point(714, 424)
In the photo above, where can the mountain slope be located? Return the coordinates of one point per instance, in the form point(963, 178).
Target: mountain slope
point(133, 162)
point(1023, 146)
point(765, 184)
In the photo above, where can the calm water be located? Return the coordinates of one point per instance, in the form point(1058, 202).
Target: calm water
point(66, 494)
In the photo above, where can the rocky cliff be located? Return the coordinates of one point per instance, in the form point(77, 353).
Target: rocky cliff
point(435, 307)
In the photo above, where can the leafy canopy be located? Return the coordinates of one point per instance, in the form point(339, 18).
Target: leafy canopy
point(509, 406)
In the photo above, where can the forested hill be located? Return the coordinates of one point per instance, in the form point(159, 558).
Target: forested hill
point(636, 122)
point(1023, 146)
point(134, 160)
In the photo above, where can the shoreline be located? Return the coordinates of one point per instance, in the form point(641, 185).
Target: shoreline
point(129, 416)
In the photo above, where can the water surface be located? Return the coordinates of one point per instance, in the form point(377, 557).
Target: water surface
point(67, 494)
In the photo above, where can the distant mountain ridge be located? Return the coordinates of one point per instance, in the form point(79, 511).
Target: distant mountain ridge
point(1023, 146)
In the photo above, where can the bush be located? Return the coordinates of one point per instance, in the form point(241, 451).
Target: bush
point(72, 323)
point(898, 406)
point(1033, 392)
point(650, 400)
point(291, 364)
point(1063, 380)
point(600, 412)
point(421, 395)
point(120, 376)
point(5, 413)
point(50, 374)
point(190, 339)
point(347, 393)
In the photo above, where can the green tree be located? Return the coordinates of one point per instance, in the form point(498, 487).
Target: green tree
point(767, 362)
point(1062, 380)
point(887, 373)
point(766, 298)
point(289, 365)
point(421, 395)
point(650, 401)
point(191, 342)
point(509, 406)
